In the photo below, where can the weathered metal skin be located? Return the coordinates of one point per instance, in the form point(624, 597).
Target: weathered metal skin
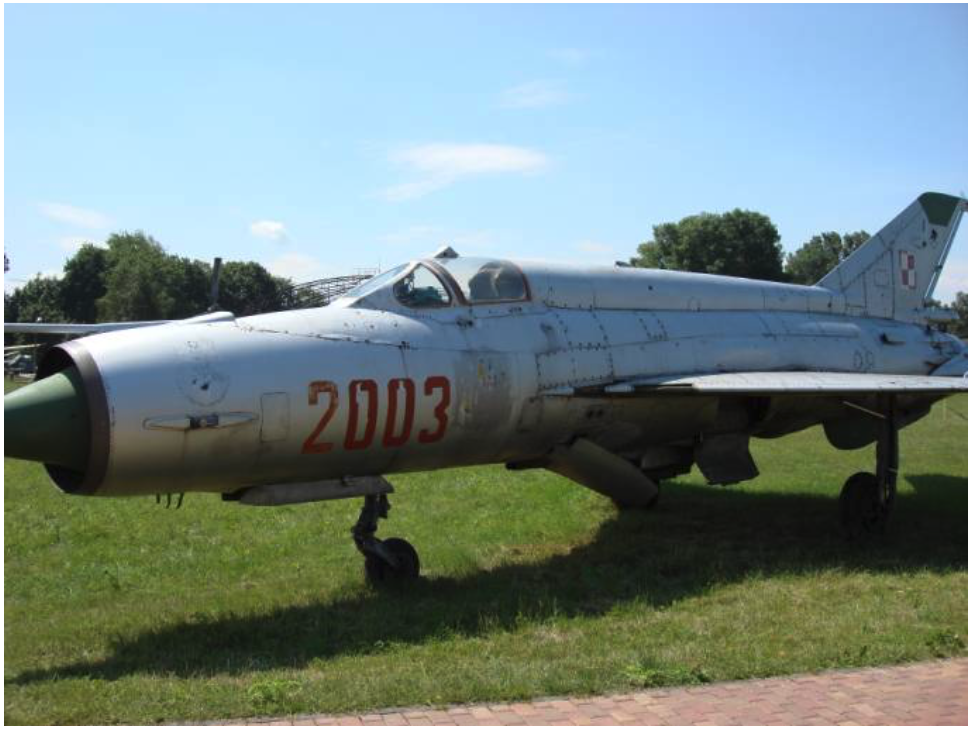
point(497, 360)
point(377, 383)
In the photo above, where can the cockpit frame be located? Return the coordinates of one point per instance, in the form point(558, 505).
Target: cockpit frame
point(492, 269)
point(457, 291)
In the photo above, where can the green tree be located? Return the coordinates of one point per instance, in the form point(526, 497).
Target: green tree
point(83, 283)
point(39, 300)
point(135, 284)
point(133, 278)
point(737, 243)
point(248, 288)
point(957, 326)
point(810, 263)
point(187, 284)
point(961, 306)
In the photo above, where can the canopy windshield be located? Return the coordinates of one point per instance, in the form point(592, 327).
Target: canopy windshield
point(375, 283)
point(487, 280)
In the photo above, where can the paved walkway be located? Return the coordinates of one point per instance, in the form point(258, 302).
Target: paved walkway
point(931, 693)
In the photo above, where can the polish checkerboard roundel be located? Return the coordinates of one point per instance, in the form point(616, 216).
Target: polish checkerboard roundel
point(907, 269)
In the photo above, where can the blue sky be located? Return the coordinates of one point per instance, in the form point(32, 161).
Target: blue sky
point(322, 139)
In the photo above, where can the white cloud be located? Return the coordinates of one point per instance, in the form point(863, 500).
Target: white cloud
point(534, 95)
point(570, 56)
point(80, 217)
point(298, 267)
point(441, 164)
point(272, 230)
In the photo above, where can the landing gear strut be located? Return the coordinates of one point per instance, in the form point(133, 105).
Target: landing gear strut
point(392, 559)
point(866, 499)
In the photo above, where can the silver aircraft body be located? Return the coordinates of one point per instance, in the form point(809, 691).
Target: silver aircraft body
point(615, 377)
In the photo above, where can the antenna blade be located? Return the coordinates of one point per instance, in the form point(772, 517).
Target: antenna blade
point(214, 285)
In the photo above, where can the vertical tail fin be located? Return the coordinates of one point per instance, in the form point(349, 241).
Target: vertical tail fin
point(893, 274)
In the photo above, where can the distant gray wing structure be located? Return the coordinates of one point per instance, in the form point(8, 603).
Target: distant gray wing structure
point(771, 383)
point(63, 328)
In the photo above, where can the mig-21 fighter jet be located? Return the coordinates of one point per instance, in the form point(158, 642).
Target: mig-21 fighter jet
point(616, 378)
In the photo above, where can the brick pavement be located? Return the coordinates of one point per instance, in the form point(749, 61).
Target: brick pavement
point(930, 693)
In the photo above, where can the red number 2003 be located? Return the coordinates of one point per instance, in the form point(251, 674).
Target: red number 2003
point(401, 396)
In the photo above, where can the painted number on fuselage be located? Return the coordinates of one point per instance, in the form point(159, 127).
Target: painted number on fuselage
point(441, 384)
point(314, 389)
point(370, 389)
point(401, 396)
point(390, 438)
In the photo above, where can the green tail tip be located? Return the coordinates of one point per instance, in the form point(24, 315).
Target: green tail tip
point(940, 207)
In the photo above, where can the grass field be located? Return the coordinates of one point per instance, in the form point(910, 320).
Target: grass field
point(122, 611)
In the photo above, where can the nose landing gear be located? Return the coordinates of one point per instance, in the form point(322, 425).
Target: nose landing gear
point(389, 560)
point(866, 499)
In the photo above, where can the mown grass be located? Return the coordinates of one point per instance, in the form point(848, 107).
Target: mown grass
point(121, 611)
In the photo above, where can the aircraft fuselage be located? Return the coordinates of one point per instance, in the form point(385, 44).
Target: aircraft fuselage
point(369, 386)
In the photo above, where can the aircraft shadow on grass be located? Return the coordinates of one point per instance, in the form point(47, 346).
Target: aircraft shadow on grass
point(697, 539)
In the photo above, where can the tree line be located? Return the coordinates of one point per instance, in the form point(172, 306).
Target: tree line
point(132, 277)
point(747, 243)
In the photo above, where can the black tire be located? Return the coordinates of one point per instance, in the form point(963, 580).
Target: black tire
point(379, 572)
point(376, 569)
point(861, 506)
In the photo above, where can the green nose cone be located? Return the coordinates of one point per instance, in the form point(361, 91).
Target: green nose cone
point(47, 421)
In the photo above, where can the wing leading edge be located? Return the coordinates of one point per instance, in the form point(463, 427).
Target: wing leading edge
point(68, 328)
point(770, 383)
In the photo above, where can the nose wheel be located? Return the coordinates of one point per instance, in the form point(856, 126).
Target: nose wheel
point(389, 560)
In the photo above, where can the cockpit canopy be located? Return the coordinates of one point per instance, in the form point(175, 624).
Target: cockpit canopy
point(446, 282)
point(421, 288)
point(483, 281)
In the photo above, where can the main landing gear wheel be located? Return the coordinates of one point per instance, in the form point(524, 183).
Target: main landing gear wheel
point(866, 499)
point(386, 561)
point(861, 507)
